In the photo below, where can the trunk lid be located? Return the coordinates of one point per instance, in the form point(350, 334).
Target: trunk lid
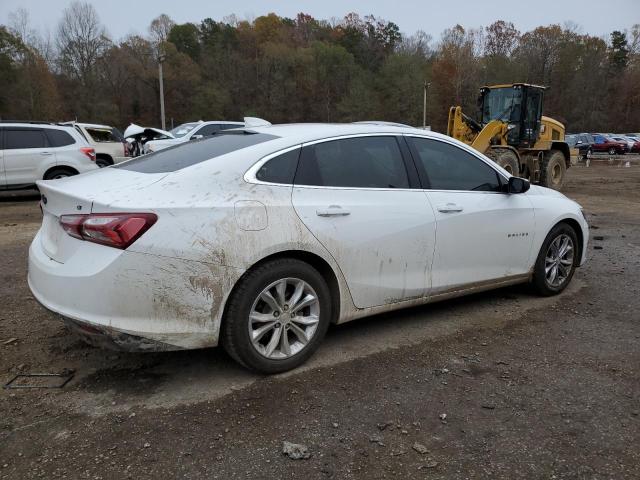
point(76, 196)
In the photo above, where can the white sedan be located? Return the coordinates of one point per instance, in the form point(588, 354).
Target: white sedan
point(189, 131)
point(259, 238)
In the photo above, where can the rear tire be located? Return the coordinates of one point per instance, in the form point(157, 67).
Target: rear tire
point(271, 336)
point(508, 160)
point(560, 254)
point(553, 170)
point(57, 173)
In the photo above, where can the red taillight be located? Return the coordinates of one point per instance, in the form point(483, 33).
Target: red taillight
point(89, 152)
point(117, 230)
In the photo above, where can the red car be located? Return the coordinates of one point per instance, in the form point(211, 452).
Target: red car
point(604, 143)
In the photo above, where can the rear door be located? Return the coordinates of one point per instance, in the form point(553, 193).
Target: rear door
point(356, 197)
point(482, 233)
point(26, 150)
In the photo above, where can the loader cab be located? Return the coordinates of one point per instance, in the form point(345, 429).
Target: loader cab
point(519, 105)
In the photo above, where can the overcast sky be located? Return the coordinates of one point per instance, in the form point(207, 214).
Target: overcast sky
point(122, 17)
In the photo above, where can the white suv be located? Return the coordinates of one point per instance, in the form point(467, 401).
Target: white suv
point(41, 151)
point(190, 131)
point(107, 141)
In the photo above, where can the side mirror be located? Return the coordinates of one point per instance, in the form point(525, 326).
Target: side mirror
point(197, 137)
point(518, 185)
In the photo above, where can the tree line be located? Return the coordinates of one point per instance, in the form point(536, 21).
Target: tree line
point(304, 69)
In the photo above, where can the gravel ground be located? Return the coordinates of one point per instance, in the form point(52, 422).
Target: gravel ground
point(497, 385)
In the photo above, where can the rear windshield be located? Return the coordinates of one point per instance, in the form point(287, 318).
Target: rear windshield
point(101, 135)
point(195, 151)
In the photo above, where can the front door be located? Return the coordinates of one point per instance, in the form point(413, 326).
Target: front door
point(483, 234)
point(354, 195)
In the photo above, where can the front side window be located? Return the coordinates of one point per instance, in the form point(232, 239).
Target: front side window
point(207, 130)
point(27, 138)
point(443, 166)
point(362, 162)
point(280, 169)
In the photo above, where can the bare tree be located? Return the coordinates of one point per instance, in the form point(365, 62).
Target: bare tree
point(81, 41)
point(160, 28)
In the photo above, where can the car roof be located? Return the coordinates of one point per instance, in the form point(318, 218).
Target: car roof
point(210, 122)
point(35, 125)
point(308, 132)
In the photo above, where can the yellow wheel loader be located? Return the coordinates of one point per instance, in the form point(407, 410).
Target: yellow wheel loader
point(512, 131)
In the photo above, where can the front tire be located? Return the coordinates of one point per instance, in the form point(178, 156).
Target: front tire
point(612, 151)
point(277, 316)
point(557, 260)
point(57, 173)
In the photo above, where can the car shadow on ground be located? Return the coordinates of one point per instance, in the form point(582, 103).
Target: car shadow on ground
point(167, 378)
point(19, 196)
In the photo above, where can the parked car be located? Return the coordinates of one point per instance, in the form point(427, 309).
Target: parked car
point(605, 143)
point(32, 151)
point(190, 131)
point(636, 142)
point(136, 137)
point(583, 142)
point(259, 238)
point(107, 141)
point(624, 139)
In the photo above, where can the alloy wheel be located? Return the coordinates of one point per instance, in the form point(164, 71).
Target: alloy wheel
point(284, 318)
point(559, 260)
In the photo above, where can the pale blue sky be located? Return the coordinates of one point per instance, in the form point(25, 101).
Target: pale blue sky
point(122, 17)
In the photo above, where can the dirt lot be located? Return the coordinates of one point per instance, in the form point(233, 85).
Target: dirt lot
point(531, 388)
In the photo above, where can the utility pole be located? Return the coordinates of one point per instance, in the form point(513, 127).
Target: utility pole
point(160, 60)
point(424, 105)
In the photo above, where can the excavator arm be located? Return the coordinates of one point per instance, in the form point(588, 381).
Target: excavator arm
point(463, 128)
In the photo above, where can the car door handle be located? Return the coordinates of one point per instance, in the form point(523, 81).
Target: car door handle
point(332, 211)
point(449, 208)
point(46, 153)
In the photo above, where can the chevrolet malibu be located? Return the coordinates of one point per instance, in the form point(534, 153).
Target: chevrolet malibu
point(258, 238)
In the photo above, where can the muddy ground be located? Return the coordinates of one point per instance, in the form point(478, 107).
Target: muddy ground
point(531, 387)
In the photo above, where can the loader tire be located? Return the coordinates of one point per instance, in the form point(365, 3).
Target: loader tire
point(553, 170)
point(508, 160)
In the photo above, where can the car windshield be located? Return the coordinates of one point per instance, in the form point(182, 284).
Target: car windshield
point(501, 104)
point(182, 130)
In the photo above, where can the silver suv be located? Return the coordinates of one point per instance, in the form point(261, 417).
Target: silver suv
point(31, 151)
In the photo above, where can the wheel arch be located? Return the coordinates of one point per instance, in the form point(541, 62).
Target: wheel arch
point(72, 170)
point(313, 259)
point(575, 225)
point(105, 156)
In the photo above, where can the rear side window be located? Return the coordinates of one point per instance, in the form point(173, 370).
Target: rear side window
point(280, 169)
point(24, 138)
point(363, 162)
point(443, 166)
point(208, 130)
point(190, 153)
point(59, 138)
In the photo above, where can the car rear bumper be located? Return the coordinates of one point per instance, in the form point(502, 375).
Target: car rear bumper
point(129, 298)
point(113, 339)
